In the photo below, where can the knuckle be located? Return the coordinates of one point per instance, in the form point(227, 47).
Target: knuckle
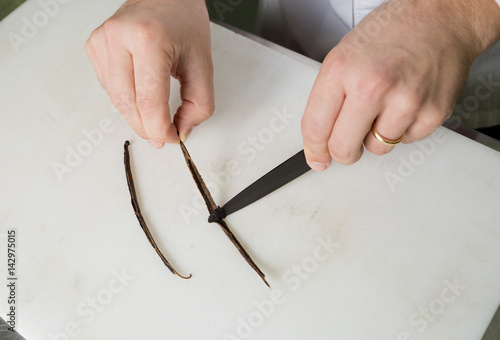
point(313, 132)
point(375, 87)
point(88, 47)
point(406, 103)
point(342, 152)
point(333, 61)
point(431, 120)
point(91, 42)
point(147, 33)
point(111, 29)
point(404, 115)
point(206, 111)
point(197, 116)
point(189, 113)
point(93, 36)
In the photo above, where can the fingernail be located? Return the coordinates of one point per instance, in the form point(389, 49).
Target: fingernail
point(316, 166)
point(185, 135)
point(155, 145)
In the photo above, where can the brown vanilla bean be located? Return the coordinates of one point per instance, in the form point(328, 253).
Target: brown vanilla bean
point(205, 193)
point(242, 250)
point(211, 206)
point(138, 214)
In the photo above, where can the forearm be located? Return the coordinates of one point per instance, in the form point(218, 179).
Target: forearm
point(475, 22)
point(485, 20)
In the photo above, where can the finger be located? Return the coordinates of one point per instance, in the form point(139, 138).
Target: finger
point(121, 88)
point(197, 94)
point(323, 106)
point(152, 68)
point(399, 114)
point(96, 50)
point(352, 125)
point(426, 123)
point(432, 115)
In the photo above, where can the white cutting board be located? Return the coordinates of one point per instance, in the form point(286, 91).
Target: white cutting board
point(348, 256)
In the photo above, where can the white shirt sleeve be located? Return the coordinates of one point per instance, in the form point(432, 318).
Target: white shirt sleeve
point(344, 9)
point(498, 2)
point(362, 7)
point(353, 11)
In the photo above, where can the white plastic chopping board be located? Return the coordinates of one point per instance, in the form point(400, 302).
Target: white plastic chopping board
point(403, 246)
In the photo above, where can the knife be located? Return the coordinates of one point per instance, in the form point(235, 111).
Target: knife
point(284, 173)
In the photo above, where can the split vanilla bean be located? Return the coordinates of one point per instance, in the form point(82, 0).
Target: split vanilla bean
point(217, 214)
point(138, 214)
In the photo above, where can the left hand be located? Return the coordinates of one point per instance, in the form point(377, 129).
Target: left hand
point(403, 67)
point(138, 49)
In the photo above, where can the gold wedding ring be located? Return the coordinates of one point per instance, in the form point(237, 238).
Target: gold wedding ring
point(384, 140)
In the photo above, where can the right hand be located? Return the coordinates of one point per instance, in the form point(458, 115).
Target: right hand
point(136, 51)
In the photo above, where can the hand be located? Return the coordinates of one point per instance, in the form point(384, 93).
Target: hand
point(136, 51)
point(403, 67)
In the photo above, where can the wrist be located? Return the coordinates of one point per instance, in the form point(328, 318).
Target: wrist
point(482, 19)
point(474, 24)
point(486, 23)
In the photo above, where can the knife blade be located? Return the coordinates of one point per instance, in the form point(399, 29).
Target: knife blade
point(284, 173)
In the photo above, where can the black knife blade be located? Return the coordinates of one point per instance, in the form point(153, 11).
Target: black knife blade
point(284, 173)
